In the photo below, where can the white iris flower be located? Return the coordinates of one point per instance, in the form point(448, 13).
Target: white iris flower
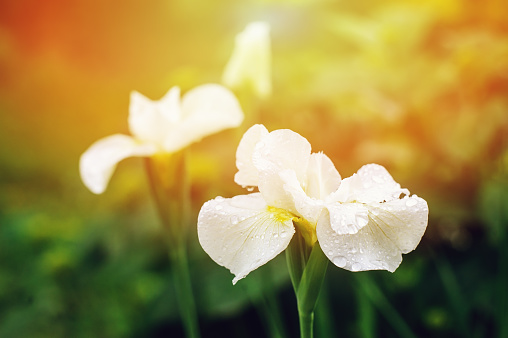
point(361, 222)
point(251, 59)
point(161, 127)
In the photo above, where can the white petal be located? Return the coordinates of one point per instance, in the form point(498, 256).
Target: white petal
point(206, 110)
point(403, 220)
point(322, 177)
point(394, 227)
point(347, 218)
point(242, 234)
point(98, 162)
point(247, 174)
point(251, 58)
point(297, 201)
point(372, 184)
point(151, 121)
point(280, 150)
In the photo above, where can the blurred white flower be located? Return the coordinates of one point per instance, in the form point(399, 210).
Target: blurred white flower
point(250, 61)
point(163, 126)
point(360, 222)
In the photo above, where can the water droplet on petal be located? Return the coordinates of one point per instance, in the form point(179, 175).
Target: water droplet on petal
point(356, 267)
point(339, 261)
point(361, 220)
point(260, 145)
point(378, 179)
point(234, 220)
point(218, 207)
point(411, 202)
point(250, 189)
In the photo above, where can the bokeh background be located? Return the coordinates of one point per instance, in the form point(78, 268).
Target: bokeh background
point(420, 87)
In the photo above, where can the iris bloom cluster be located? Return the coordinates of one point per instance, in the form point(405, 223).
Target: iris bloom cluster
point(163, 126)
point(363, 222)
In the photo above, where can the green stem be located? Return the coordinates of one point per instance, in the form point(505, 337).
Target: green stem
point(170, 186)
point(184, 294)
point(307, 268)
point(306, 324)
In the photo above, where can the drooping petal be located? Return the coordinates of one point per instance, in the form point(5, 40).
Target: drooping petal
point(393, 228)
point(98, 162)
point(322, 177)
point(250, 61)
point(372, 184)
point(247, 174)
point(280, 150)
point(206, 109)
point(346, 218)
point(242, 233)
point(297, 201)
point(150, 120)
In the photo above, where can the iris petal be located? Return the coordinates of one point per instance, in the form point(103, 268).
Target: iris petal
point(206, 109)
point(98, 162)
point(392, 228)
point(242, 233)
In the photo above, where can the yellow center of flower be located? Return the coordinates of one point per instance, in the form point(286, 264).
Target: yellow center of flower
point(307, 229)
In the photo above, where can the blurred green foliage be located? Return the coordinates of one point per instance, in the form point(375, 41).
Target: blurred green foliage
point(420, 87)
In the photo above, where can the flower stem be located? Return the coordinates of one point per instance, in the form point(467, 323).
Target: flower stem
point(307, 268)
point(170, 186)
point(306, 324)
point(184, 294)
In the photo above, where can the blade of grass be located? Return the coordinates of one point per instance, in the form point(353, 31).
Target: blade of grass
point(377, 297)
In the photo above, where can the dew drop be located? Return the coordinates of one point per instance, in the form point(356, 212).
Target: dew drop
point(339, 261)
point(356, 267)
point(361, 220)
point(411, 202)
point(250, 189)
point(330, 253)
point(283, 234)
point(218, 207)
point(234, 220)
point(377, 179)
